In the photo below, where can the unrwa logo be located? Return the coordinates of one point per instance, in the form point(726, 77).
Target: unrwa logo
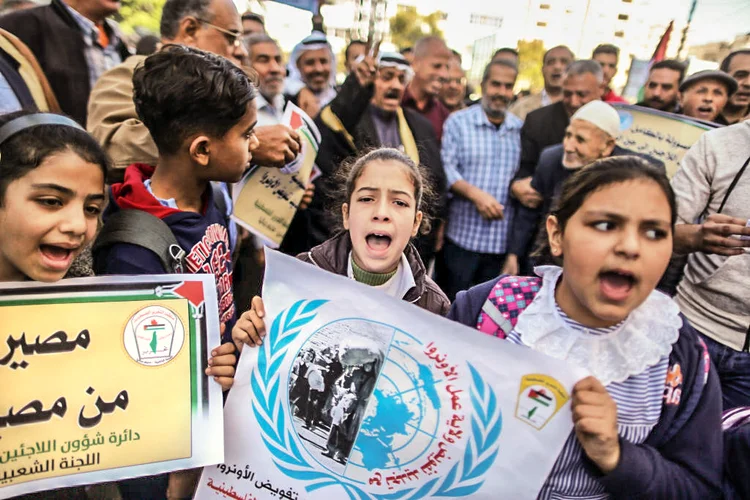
point(153, 336)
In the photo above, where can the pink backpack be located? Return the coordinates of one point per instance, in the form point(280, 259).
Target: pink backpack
point(510, 296)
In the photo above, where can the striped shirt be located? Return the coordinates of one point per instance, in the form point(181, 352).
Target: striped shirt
point(485, 156)
point(99, 59)
point(639, 403)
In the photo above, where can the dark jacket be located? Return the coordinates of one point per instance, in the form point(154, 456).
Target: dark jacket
point(56, 40)
point(682, 457)
point(204, 238)
point(548, 179)
point(333, 256)
point(543, 127)
point(358, 134)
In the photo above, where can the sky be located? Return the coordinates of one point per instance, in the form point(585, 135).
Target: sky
point(716, 20)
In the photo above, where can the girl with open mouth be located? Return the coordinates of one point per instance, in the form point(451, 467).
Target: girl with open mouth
point(647, 422)
point(383, 194)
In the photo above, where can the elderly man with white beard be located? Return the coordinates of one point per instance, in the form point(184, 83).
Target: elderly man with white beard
point(589, 137)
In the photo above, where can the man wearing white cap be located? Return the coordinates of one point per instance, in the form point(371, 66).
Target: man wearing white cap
point(312, 74)
point(367, 113)
point(590, 136)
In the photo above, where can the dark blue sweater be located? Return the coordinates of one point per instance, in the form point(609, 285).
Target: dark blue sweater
point(682, 457)
point(204, 237)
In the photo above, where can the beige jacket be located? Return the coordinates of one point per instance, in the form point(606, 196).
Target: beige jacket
point(112, 120)
point(30, 72)
point(714, 294)
point(526, 105)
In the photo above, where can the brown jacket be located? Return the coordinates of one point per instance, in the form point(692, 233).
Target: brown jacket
point(30, 71)
point(112, 120)
point(526, 105)
point(333, 256)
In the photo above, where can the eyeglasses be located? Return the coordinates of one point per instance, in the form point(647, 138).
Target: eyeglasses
point(233, 37)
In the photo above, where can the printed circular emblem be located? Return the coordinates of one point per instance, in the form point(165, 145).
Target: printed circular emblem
point(154, 336)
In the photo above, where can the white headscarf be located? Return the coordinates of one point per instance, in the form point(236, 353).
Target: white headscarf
point(294, 83)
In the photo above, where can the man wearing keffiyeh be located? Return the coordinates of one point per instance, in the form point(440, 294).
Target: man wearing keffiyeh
point(312, 74)
point(367, 113)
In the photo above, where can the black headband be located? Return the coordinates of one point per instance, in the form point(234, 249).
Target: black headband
point(28, 121)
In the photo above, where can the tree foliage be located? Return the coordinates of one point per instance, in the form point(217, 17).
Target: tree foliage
point(408, 26)
point(530, 54)
point(141, 14)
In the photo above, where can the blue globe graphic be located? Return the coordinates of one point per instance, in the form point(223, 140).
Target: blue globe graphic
point(403, 414)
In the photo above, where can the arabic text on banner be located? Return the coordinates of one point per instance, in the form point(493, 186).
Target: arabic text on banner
point(103, 379)
point(266, 198)
point(663, 136)
point(355, 394)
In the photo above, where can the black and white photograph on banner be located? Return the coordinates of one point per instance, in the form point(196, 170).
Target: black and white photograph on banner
point(330, 386)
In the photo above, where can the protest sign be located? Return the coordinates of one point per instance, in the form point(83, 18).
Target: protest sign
point(664, 136)
point(266, 198)
point(355, 394)
point(103, 379)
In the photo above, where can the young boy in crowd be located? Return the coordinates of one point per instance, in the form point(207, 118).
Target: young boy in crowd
point(199, 108)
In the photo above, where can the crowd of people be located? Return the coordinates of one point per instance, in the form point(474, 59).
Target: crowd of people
point(425, 195)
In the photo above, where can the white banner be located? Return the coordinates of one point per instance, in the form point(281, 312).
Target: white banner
point(355, 394)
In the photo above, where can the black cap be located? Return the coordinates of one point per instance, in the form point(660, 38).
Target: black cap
point(724, 78)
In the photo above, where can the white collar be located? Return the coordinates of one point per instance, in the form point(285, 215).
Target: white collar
point(645, 336)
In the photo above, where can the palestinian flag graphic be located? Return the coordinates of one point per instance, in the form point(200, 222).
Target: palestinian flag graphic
point(539, 399)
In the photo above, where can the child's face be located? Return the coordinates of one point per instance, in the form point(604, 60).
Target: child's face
point(48, 216)
point(381, 216)
point(615, 249)
point(231, 155)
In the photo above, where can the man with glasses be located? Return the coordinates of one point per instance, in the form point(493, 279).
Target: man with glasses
point(453, 94)
point(74, 43)
point(210, 25)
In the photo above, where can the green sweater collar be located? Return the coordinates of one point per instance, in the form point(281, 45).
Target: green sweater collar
point(368, 278)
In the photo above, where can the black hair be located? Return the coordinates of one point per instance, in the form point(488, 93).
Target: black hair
point(505, 49)
point(588, 180)
point(181, 91)
point(174, 11)
point(572, 55)
point(672, 64)
point(728, 60)
point(26, 150)
point(350, 171)
point(352, 44)
point(252, 16)
point(606, 48)
point(147, 45)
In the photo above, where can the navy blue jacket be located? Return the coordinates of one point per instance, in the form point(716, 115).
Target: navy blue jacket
point(204, 237)
point(548, 179)
point(682, 457)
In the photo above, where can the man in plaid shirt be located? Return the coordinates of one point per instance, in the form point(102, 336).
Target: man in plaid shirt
point(481, 149)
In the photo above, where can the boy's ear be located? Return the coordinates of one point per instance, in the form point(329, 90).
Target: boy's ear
point(200, 150)
point(554, 236)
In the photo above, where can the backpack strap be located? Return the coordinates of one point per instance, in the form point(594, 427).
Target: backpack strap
point(137, 227)
point(510, 296)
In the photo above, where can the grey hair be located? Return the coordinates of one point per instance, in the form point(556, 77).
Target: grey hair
point(175, 11)
point(256, 38)
point(498, 62)
point(584, 66)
